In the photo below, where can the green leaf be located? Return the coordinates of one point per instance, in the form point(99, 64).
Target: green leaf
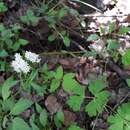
point(62, 12)
point(40, 89)
point(55, 83)
point(19, 124)
point(128, 82)
point(126, 58)
point(30, 79)
point(21, 106)
point(43, 118)
point(38, 108)
point(3, 53)
point(59, 73)
point(74, 127)
point(8, 84)
point(112, 44)
point(8, 104)
point(97, 104)
point(75, 102)
point(29, 18)
point(3, 7)
point(30, 13)
point(32, 123)
point(59, 119)
point(69, 82)
point(22, 42)
point(124, 30)
point(100, 97)
point(34, 126)
point(4, 122)
point(51, 38)
point(97, 86)
point(120, 120)
point(112, 27)
point(66, 41)
point(93, 37)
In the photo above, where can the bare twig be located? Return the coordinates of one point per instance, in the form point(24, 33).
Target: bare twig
point(102, 15)
point(127, 95)
point(122, 73)
point(87, 4)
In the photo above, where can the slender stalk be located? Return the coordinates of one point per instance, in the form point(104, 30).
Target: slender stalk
point(89, 5)
point(61, 53)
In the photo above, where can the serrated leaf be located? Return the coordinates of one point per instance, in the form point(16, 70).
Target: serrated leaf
point(21, 106)
point(19, 124)
point(55, 83)
point(69, 83)
point(97, 104)
point(120, 120)
point(8, 84)
point(43, 118)
point(97, 86)
point(75, 102)
point(59, 73)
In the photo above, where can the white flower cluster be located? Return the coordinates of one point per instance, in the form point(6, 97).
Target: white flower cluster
point(32, 57)
point(20, 65)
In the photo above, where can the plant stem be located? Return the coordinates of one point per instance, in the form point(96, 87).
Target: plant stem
point(61, 53)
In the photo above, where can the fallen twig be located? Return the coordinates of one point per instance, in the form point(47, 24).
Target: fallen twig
point(124, 74)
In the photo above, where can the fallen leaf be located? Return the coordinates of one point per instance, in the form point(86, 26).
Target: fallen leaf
point(52, 105)
point(69, 117)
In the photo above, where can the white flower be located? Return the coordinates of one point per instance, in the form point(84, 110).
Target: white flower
point(20, 65)
point(32, 57)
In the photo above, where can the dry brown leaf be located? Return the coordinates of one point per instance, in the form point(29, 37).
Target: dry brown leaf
point(69, 117)
point(52, 105)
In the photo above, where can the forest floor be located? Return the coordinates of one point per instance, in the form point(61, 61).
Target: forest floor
point(83, 77)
